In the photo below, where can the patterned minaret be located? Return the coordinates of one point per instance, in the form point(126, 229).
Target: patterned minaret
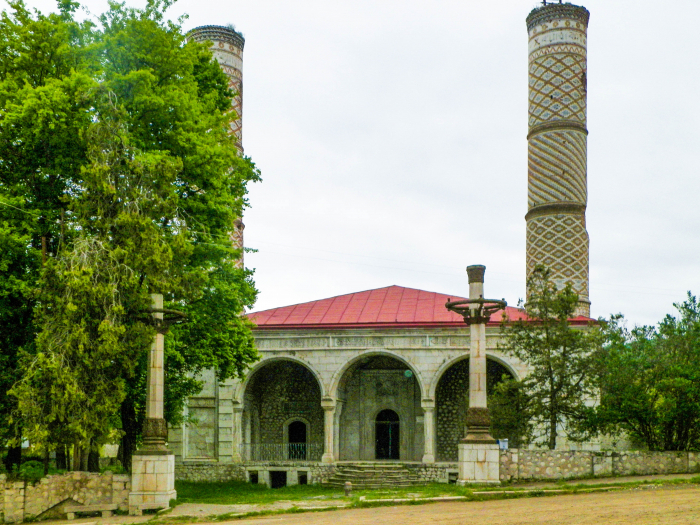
point(557, 136)
point(227, 48)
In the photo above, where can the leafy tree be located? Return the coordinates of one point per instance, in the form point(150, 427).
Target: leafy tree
point(115, 149)
point(649, 379)
point(560, 357)
point(511, 412)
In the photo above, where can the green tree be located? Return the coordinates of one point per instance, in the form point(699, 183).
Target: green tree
point(511, 412)
point(124, 130)
point(649, 380)
point(560, 357)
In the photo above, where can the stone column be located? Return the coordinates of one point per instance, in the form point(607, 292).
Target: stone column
point(153, 465)
point(328, 405)
point(336, 430)
point(237, 437)
point(428, 406)
point(477, 415)
point(478, 451)
point(155, 424)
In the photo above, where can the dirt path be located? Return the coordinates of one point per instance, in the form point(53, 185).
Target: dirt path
point(643, 506)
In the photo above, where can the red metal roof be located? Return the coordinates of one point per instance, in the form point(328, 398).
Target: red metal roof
point(390, 307)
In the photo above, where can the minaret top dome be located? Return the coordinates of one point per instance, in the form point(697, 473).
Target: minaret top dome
point(552, 12)
point(217, 34)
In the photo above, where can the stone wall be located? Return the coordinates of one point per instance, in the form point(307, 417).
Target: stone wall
point(47, 498)
point(452, 401)
point(218, 472)
point(282, 392)
point(435, 473)
point(558, 464)
point(210, 472)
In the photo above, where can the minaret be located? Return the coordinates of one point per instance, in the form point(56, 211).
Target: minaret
point(557, 136)
point(227, 48)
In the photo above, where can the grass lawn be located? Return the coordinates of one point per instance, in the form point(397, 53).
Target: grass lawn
point(236, 492)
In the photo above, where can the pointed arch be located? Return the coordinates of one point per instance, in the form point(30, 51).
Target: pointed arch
point(243, 385)
point(448, 364)
point(340, 373)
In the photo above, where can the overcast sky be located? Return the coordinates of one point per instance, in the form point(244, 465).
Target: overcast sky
point(391, 136)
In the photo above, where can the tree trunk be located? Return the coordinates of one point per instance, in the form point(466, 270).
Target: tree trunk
point(46, 463)
point(132, 430)
point(552, 433)
point(93, 460)
point(84, 460)
point(62, 461)
point(13, 459)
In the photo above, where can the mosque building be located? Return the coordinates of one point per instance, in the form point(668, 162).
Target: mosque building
point(382, 375)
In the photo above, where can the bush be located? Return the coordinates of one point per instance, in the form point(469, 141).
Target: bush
point(31, 471)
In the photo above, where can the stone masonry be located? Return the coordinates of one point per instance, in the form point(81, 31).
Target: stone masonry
point(560, 464)
point(23, 501)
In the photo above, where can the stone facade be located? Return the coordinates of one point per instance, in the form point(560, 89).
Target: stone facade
point(47, 498)
point(559, 464)
point(342, 378)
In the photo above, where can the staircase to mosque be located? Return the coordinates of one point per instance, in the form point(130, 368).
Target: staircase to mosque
point(372, 475)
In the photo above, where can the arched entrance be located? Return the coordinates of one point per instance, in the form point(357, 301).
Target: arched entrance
point(387, 435)
point(282, 415)
point(380, 411)
point(452, 402)
point(296, 440)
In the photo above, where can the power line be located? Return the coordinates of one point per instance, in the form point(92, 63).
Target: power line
point(19, 209)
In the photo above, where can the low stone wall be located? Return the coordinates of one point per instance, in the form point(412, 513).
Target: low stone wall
point(435, 473)
point(47, 498)
point(210, 472)
point(560, 464)
point(220, 472)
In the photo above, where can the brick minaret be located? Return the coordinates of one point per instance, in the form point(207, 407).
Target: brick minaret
point(557, 136)
point(227, 47)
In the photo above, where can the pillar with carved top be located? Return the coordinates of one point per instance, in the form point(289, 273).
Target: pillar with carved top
point(479, 457)
point(153, 465)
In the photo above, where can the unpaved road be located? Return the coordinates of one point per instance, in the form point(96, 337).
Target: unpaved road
point(648, 506)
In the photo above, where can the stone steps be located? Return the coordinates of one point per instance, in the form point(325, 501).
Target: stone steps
point(373, 475)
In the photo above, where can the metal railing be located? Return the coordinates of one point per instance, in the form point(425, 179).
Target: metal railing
point(281, 451)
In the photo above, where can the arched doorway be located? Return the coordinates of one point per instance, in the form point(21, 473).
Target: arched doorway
point(296, 440)
point(369, 386)
point(387, 435)
point(452, 402)
point(283, 417)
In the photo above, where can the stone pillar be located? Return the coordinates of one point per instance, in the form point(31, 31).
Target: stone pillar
point(237, 436)
point(328, 405)
point(336, 430)
point(428, 406)
point(557, 143)
point(153, 465)
point(156, 380)
point(478, 451)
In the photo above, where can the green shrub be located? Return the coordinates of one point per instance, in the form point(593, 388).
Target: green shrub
point(31, 471)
